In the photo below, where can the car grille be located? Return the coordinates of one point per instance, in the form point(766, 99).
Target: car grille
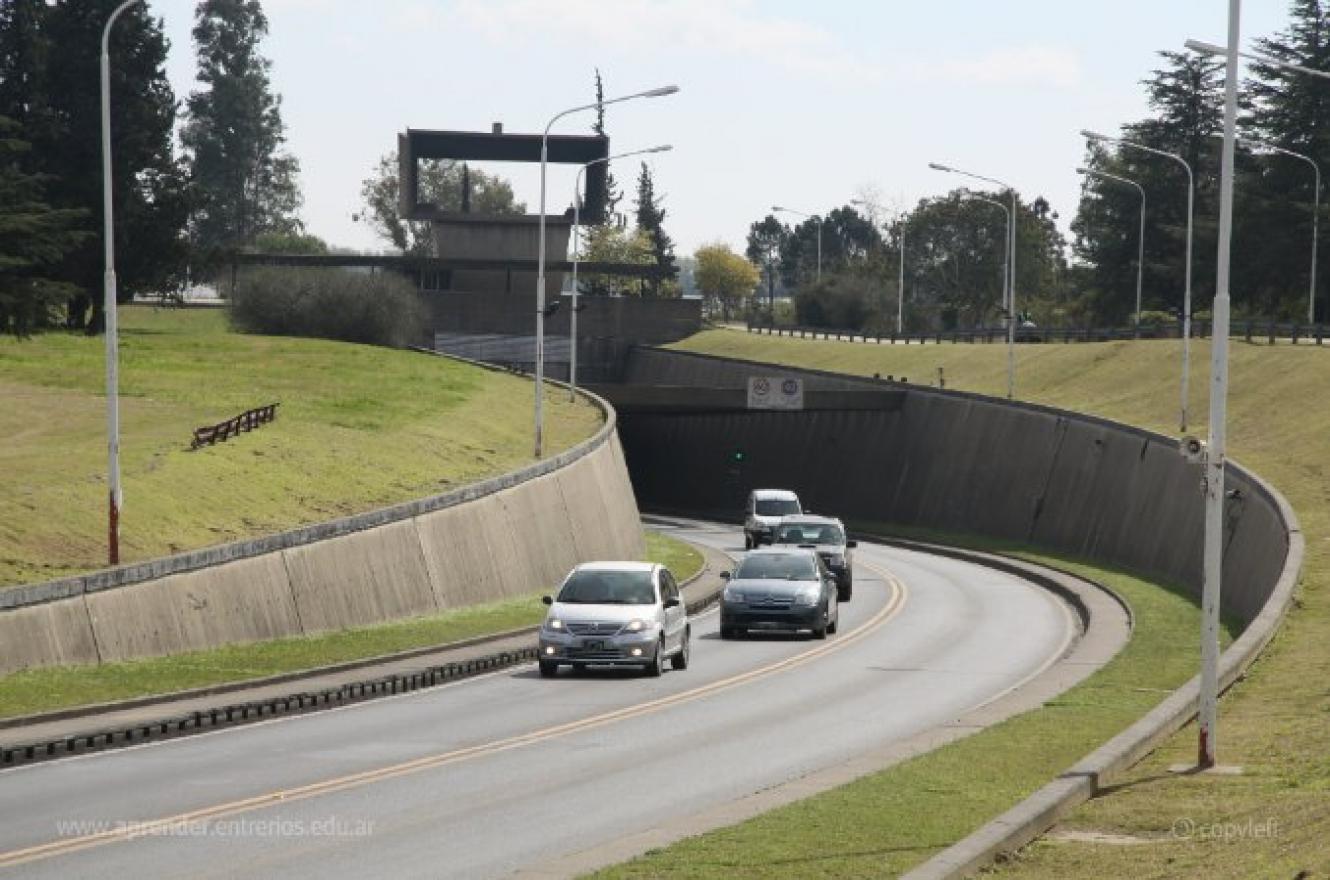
point(777, 603)
point(593, 654)
point(593, 629)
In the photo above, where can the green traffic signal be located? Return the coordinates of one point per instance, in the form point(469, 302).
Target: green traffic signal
point(738, 456)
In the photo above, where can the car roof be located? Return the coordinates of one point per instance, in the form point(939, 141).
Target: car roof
point(616, 566)
point(781, 550)
point(808, 519)
point(775, 493)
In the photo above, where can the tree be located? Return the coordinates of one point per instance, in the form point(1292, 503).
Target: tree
point(846, 237)
point(289, 243)
point(1290, 110)
point(244, 184)
point(49, 60)
point(440, 184)
point(766, 238)
point(1185, 95)
point(608, 243)
point(724, 277)
point(650, 220)
point(612, 194)
point(34, 238)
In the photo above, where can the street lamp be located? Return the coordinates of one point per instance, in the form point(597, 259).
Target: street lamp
point(1011, 272)
point(1186, 296)
point(1006, 278)
point(818, 221)
point(115, 495)
point(540, 262)
point(1215, 459)
point(1140, 243)
point(1316, 207)
point(577, 226)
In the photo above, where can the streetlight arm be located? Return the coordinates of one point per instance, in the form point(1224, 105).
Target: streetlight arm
point(1211, 49)
point(106, 31)
point(649, 93)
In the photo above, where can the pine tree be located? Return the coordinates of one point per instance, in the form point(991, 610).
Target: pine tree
point(244, 184)
point(1290, 110)
point(651, 220)
point(34, 238)
point(612, 194)
point(52, 87)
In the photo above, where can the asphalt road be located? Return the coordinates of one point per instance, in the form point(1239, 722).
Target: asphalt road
point(502, 772)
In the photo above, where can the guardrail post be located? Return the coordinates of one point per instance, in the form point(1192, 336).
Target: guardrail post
point(1272, 333)
point(1317, 331)
point(1294, 333)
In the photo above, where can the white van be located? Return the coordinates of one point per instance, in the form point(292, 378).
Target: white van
point(766, 508)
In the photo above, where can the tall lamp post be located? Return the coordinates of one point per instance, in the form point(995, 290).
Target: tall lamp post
point(577, 227)
point(818, 220)
point(1006, 276)
point(1140, 238)
point(540, 262)
point(1316, 209)
point(115, 495)
point(1186, 296)
point(1011, 271)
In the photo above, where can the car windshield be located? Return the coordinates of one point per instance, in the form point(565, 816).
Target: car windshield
point(777, 507)
point(777, 566)
point(809, 534)
point(609, 588)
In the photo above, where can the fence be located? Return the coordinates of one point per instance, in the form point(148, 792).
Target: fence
point(222, 431)
point(1251, 331)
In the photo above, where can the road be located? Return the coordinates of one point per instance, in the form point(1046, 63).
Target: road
point(490, 775)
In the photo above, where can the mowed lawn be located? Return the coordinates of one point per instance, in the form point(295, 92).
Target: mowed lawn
point(1273, 820)
point(358, 427)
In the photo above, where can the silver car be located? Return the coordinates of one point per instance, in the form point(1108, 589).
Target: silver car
point(615, 614)
point(826, 535)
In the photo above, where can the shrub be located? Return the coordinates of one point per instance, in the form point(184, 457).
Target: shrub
point(351, 306)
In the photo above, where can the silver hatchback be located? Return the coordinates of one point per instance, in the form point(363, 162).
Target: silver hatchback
point(615, 614)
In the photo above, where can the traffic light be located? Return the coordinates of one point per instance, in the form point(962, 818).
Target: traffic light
point(738, 456)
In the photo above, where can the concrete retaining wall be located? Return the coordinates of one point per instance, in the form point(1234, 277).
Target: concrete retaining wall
point(955, 462)
point(504, 537)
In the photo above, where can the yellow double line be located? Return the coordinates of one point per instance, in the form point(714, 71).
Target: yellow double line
point(165, 825)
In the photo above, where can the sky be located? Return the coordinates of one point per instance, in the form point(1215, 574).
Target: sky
point(802, 103)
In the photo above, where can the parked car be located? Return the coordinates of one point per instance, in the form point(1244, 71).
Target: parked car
point(615, 614)
point(826, 535)
point(766, 508)
point(779, 589)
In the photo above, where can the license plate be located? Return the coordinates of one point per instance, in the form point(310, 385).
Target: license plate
point(594, 645)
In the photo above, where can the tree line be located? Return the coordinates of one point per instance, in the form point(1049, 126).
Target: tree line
point(227, 184)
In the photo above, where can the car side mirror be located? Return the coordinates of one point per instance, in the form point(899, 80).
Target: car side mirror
point(851, 544)
point(672, 602)
point(726, 575)
point(548, 600)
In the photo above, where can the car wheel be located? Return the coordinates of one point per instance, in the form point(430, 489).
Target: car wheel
point(726, 632)
point(845, 594)
point(834, 625)
point(680, 660)
point(820, 631)
point(548, 669)
point(748, 541)
point(657, 664)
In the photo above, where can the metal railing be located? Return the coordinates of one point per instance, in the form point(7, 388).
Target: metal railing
point(1270, 332)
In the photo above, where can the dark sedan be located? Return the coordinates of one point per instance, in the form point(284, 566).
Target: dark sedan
point(785, 589)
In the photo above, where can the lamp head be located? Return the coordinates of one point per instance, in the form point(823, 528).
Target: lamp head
point(663, 148)
point(661, 92)
point(777, 208)
point(937, 167)
point(1205, 48)
point(1084, 171)
point(1092, 135)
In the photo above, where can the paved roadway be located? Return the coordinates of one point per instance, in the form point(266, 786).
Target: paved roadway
point(494, 774)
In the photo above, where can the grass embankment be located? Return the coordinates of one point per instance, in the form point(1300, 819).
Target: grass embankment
point(45, 690)
point(358, 427)
point(1273, 820)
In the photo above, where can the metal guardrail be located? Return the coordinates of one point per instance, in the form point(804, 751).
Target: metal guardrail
point(222, 431)
point(1250, 331)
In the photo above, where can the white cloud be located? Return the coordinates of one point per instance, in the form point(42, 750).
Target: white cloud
point(1033, 66)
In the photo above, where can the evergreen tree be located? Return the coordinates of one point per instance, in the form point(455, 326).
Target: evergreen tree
point(765, 239)
point(650, 220)
point(34, 238)
point(612, 194)
point(49, 64)
point(244, 184)
point(1290, 110)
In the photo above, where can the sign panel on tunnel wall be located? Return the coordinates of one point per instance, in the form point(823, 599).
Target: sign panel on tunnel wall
point(775, 392)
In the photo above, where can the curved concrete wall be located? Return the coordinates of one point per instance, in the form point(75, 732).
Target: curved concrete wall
point(960, 463)
point(504, 537)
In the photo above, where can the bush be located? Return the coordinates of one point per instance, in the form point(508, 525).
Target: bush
point(351, 306)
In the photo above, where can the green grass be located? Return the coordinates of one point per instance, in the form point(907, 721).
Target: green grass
point(358, 427)
point(1275, 722)
point(678, 557)
point(45, 690)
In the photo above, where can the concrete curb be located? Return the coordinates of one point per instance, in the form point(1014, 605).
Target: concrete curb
point(1037, 813)
point(298, 702)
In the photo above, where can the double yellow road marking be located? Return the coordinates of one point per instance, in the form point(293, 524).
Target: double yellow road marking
point(165, 825)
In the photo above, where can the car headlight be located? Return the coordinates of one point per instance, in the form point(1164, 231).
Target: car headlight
point(807, 597)
point(733, 595)
point(555, 624)
point(637, 625)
